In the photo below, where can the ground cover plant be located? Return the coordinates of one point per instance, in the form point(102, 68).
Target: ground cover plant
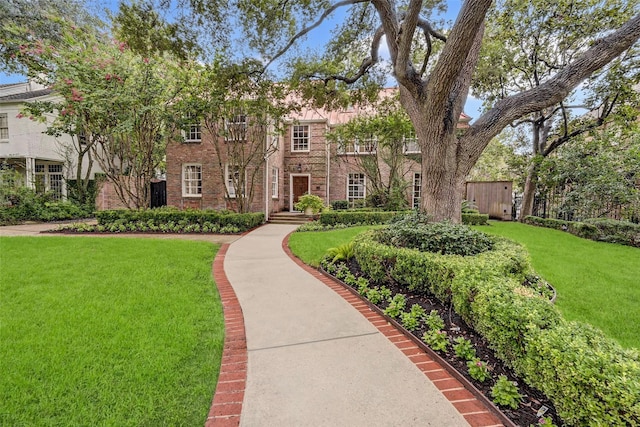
point(168, 220)
point(125, 332)
point(597, 282)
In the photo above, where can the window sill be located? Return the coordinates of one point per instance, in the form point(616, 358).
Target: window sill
point(192, 196)
point(192, 141)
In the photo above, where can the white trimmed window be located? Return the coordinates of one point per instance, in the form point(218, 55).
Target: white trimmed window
point(4, 127)
point(236, 128)
point(49, 178)
point(356, 187)
point(274, 182)
point(191, 180)
point(417, 190)
point(232, 180)
point(359, 146)
point(410, 143)
point(192, 130)
point(300, 138)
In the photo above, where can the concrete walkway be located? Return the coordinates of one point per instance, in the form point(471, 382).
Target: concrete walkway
point(313, 360)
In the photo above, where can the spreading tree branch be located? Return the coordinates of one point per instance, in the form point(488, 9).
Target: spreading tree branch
point(556, 88)
point(316, 24)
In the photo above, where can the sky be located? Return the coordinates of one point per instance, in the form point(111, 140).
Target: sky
point(315, 39)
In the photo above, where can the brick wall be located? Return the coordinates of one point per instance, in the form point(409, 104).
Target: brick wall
point(213, 187)
point(107, 197)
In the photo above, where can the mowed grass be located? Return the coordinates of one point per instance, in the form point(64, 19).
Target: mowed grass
point(310, 246)
point(112, 332)
point(597, 283)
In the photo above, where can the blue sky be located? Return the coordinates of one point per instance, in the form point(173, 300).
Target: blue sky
point(315, 39)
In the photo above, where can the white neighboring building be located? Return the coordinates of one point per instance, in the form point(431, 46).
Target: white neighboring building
point(44, 161)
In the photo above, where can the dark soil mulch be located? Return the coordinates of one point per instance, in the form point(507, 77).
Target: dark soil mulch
point(532, 399)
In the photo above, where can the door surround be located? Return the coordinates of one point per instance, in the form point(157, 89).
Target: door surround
point(292, 196)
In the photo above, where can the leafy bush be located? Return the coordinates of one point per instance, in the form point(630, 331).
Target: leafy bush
point(396, 306)
point(24, 204)
point(478, 370)
point(355, 217)
point(437, 340)
point(309, 201)
point(339, 205)
point(318, 226)
point(590, 378)
point(343, 252)
point(433, 321)
point(599, 229)
point(170, 216)
point(411, 319)
point(464, 349)
point(437, 237)
point(505, 393)
point(475, 218)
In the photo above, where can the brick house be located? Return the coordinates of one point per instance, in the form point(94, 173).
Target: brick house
point(303, 162)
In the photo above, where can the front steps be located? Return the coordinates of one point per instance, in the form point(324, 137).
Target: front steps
point(288, 218)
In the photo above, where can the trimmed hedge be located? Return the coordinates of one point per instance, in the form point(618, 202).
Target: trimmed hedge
point(475, 218)
point(590, 378)
point(602, 230)
point(357, 217)
point(340, 205)
point(243, 222)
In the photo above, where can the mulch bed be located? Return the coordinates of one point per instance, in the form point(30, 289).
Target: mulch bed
point(532, 400)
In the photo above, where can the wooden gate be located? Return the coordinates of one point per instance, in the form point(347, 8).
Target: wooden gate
point(158, 194)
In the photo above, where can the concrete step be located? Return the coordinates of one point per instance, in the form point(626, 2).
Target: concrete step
point(288, 218)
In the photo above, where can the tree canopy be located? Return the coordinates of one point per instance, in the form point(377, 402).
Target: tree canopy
point(433, 83)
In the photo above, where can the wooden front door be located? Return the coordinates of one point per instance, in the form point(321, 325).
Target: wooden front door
point(300, 186)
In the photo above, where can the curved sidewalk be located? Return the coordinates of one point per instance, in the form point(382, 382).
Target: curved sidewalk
point(314, 360)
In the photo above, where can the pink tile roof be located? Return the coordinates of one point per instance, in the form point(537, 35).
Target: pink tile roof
point(337, 117)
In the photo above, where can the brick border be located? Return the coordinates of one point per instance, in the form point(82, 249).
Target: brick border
point(474, 411)
point(226, 405)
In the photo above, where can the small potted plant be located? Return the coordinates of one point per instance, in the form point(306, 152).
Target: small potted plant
point(309, 204)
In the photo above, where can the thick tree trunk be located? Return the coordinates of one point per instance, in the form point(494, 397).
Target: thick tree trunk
point(530, 187)
point(442, 183)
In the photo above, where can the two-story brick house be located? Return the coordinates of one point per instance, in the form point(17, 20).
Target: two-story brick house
point(298, 161)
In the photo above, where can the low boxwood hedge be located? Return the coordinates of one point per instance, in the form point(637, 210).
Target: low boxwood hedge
point(599, 229)
point(242, 221)
point(353, 217)
point(475, 218)
point(590, 378)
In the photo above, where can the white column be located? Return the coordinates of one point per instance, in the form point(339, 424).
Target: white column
point(30, 172)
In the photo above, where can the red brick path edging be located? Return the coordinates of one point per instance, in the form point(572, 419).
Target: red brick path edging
point(229, 395)
point(473, 410)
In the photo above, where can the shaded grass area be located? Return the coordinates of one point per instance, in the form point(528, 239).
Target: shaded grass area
point(122, 332)
point(310, 246)
point(597, 283)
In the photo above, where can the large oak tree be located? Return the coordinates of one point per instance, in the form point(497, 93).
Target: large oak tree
point(433, 83)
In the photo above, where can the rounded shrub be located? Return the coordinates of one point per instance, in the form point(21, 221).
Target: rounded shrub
point(437, 237)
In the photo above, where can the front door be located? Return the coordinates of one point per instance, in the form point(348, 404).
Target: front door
point(299, 187)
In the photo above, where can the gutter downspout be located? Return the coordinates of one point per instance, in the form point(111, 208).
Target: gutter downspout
point(328, 179)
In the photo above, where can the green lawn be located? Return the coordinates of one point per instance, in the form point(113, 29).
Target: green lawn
point(597, 283)
point(310, 246)
point(117, 332)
